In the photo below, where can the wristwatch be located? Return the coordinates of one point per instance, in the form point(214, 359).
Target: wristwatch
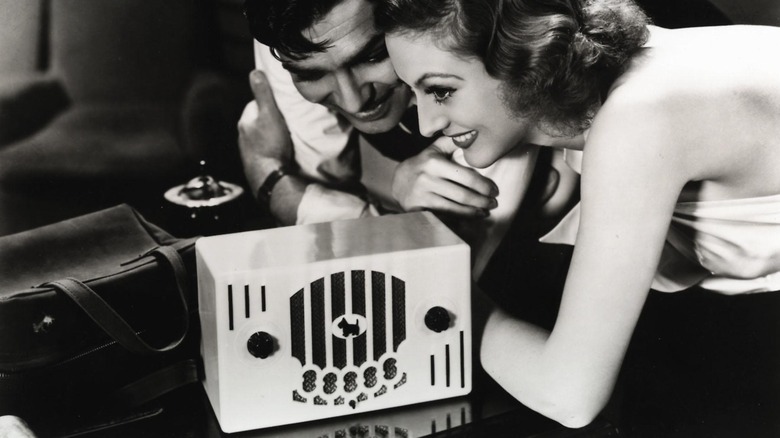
point(267, 187)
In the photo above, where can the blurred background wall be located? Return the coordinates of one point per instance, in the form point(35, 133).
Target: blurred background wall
point(108, 101)
point(751, 11)
point(62, 151)
point(19, 35)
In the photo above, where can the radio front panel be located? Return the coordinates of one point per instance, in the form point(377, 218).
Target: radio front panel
point(335, 337)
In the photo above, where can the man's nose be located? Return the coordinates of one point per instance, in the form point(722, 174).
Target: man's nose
point(432, 118)
point(352, 92)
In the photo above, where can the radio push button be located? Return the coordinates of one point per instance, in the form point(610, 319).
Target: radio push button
point(437, 319)
point(260, 345)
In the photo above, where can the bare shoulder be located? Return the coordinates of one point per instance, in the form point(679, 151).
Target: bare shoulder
point(638, 117)
point(702, 97)
point(718, 62)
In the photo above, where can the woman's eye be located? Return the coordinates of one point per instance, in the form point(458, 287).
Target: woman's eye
point(440, 95)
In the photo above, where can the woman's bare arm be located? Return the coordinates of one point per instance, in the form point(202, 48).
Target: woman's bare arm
point(632, 176)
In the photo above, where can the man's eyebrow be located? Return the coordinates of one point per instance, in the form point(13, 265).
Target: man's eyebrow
point(363, 54)
point(367, 51)
point(421, 79)
point(302, 71)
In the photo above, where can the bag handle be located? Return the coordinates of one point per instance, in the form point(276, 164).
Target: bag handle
point(110, 321)
point(155, 384)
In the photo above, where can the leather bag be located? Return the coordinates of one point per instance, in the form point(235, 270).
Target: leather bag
point(98, 315)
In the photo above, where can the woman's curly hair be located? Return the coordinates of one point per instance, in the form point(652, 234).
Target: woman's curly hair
point(554, 57)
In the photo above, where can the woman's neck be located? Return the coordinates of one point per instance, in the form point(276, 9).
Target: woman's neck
point(576, 143)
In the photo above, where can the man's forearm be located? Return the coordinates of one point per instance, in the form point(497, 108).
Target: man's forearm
point(286, 194)
point(285, 199)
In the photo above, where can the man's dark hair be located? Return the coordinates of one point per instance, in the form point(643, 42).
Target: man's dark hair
point(279, 24)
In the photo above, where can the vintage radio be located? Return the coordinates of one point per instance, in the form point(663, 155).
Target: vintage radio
point(317, 321)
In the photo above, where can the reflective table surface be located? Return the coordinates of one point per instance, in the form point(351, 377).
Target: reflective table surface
point(486, 412)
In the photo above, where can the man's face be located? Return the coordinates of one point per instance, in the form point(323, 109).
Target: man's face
point(354, 76)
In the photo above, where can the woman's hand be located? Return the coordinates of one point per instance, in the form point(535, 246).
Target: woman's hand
point(432, 181)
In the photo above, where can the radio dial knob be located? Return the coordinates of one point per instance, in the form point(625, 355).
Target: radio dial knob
point(437, 319)
point(260, 345)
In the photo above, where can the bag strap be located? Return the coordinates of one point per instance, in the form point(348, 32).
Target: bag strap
point(111, 322)
point(156, 384)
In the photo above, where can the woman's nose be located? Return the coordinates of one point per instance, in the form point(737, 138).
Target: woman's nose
point(432, 119)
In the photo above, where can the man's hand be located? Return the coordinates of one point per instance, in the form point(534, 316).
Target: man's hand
point(266, 145)
point(263, 138)
point(432, 181)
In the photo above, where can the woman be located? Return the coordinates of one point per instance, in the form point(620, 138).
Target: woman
point(680, 138)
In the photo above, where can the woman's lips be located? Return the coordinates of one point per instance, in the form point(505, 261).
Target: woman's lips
point(464, 140)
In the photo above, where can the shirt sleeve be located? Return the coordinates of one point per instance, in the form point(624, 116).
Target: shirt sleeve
point(320, 141)
point(319, 138)
point(320, 204)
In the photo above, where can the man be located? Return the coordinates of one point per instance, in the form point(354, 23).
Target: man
point(327, 74)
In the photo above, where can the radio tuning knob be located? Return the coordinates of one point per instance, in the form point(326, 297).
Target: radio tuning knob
point(260, 344)
point(437, 319)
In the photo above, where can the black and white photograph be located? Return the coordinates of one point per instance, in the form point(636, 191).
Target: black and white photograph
point(389, 218)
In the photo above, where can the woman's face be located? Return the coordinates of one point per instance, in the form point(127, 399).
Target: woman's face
point(457, 97)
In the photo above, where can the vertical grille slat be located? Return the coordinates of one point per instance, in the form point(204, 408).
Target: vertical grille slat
point(297, 327)
point(399, 312)
point(338, 308)
point(359, 308)
point(318, 322)
point(246, 301)
point(230, 306)
point(378, 313)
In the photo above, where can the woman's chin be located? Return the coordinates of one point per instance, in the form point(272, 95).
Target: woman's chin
point(478, 160)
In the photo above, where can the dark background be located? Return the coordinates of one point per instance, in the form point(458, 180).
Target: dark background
point(110, 101)
point(103, 102)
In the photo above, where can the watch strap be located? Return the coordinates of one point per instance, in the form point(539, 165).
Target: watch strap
point(267, 187)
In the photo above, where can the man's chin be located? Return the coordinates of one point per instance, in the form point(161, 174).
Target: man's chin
point(376, 126)
point(394, 109)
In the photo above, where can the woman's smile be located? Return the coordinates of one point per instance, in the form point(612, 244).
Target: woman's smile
point(464, 140)
point(457, 97)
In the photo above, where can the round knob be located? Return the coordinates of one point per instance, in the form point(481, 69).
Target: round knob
point(260, 344)
point(437, 319)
